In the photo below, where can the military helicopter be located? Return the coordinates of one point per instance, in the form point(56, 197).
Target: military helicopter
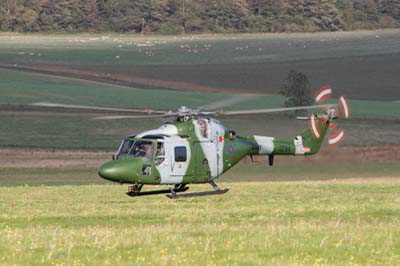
point(195, 148)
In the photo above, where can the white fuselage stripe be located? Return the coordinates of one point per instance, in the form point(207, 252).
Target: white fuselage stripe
point(209, 132)
point(266, 144)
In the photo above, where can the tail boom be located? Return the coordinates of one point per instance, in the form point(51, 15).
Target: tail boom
point(308, 143)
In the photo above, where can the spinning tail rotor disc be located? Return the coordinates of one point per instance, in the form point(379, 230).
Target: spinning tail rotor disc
point(332, 113)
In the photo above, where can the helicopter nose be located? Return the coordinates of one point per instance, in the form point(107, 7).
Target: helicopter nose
point(107, 171)
point(118, 171)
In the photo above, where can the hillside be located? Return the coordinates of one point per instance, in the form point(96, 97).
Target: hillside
point(197, 16)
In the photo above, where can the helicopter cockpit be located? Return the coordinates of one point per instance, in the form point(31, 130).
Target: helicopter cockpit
point(142, 149)
point(150, 149)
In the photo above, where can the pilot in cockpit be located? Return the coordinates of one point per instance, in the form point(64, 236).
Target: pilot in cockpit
point(143, 149)
point(160, 154)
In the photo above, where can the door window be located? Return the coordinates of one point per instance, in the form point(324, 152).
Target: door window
point(180, 154)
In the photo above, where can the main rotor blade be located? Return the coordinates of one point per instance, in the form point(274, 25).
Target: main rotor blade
point(117, 117)
point(274, 110)
point(228, 102)
point(99, 108)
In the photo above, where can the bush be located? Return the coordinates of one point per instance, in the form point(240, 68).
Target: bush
point(297, 89)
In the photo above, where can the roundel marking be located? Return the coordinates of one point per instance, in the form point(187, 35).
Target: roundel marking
point(230, 149)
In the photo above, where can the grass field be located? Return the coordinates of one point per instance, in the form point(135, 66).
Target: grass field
point(81, 49)
point(254, 224)
point(297, 214)
point(255, 172)
point(20, 87)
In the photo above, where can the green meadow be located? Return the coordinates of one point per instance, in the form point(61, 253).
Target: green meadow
point(243, 172)
point(253, 224)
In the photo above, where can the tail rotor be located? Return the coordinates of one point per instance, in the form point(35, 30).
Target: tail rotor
point(336, 135)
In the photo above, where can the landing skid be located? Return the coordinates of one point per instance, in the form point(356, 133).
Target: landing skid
point(197, 194)
point(135, 190)
point(217, 191)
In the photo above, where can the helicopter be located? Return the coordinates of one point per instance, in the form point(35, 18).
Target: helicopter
point(195, 148)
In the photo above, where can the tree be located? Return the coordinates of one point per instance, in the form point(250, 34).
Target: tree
point(390, 7)
point(297, 89)
point(124, 15)
point(197, 16)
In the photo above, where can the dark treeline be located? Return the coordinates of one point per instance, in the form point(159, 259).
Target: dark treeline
point(197, 16)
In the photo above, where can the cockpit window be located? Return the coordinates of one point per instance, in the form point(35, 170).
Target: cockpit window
point(160, 153)
point(143, 148)
point(124, 148)
point(203, 127)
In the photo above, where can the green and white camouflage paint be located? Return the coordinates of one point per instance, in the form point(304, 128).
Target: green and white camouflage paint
point(200, 150)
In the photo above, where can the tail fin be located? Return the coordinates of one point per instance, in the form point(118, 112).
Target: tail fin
point(314, 136)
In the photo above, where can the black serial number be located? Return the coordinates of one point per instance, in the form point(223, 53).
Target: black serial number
point(284, 148)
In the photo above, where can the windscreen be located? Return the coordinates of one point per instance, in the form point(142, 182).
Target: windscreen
point(125, 147)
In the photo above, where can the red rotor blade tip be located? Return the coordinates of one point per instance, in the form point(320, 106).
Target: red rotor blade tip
point(336, 138)
point(344, 106)
point(323, 93)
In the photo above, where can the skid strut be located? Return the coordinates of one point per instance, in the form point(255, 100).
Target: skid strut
point(135, 190)
point(216, 191)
